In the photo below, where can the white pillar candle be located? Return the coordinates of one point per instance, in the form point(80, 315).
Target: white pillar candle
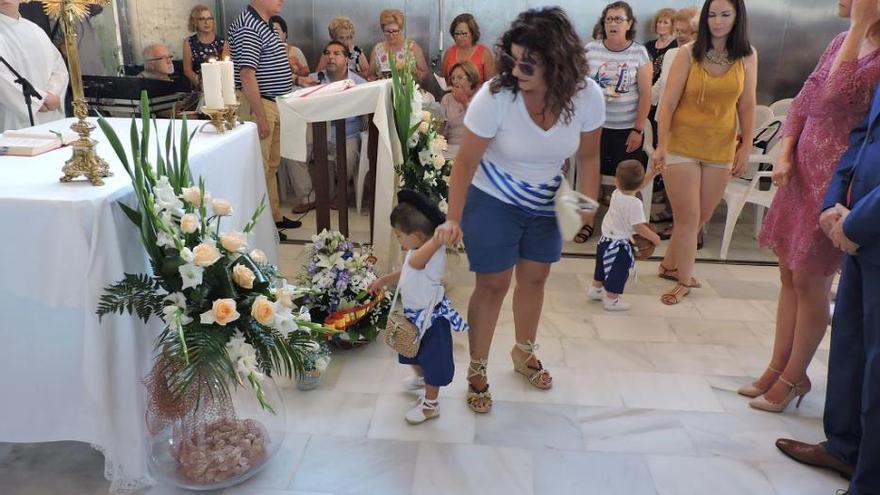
point(227, 82)
point(211, 85)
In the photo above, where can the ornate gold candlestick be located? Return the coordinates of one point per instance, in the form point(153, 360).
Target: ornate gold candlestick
point(218, 118)
point(84, 161)
point(232, 116)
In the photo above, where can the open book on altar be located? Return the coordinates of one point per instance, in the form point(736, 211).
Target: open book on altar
point(28, 142)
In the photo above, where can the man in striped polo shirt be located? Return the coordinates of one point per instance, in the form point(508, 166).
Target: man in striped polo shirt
point(262, 73)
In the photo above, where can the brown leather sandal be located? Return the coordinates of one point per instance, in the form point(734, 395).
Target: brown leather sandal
point(676, 295)
point(479, 401)
point(584, 234)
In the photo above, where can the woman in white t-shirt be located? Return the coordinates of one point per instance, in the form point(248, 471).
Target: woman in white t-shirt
point(519, 131)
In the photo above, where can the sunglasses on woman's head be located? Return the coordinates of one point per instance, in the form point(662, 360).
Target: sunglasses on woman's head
point(527, 68)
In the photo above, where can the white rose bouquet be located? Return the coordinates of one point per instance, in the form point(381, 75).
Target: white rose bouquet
point(425, 168)
point(229, 318)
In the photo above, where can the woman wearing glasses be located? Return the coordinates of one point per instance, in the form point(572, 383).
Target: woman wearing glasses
point(711, 84)
point(623, 70)
point(395, 45)
point(540, 109)
point(203, 45)
point(466, 33)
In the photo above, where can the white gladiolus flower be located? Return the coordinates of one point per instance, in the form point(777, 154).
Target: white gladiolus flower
point(444, 206)
point(425, 158)
point(243, 356)
point(165, 197)
point(178, 299)
point(165, 240)
point(191, 275)
point(187, 255)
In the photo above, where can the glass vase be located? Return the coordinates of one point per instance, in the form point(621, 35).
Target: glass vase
point(219, 443)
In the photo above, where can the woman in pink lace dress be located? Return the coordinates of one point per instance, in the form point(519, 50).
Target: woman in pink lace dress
point(832, 101)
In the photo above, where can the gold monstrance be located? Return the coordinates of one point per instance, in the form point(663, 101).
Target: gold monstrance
point(84, 161)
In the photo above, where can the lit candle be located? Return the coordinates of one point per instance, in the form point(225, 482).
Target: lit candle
point(227, 82)
point(211, 85)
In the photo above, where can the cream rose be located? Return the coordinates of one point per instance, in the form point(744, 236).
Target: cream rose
point(205, 255)
point(221, 207)
point(424, 127)
point(263, 311)
point(243, 276)
point(426, 116)
point(438, 161)
point(259, 256)
point(439, 144)
point(192, 195)
point(233, 241)
point(189, 223)
point(224, 311)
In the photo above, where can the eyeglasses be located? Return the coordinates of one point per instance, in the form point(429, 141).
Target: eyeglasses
point(391, 32)
point(460, 34)
point(616, 20)
point(164, 57)
point(205, 19)
point(527, 68)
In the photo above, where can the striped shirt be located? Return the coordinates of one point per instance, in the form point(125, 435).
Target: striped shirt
point(617, 75)
point(256, 45)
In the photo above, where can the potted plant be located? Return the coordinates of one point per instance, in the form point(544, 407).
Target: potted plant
point(315, 360)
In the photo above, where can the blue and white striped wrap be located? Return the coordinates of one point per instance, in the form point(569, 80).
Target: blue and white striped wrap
point(536, 198)
point(611, 253)
point(443, 309)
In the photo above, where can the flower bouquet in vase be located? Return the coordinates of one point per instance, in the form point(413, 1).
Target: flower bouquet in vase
point(316, 359)
point(338, 274)
point(424, 168)
point(214, 413)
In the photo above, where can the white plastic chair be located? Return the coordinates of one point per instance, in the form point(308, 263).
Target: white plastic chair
point(781, 107)
point(763, 114)
point(740, 192)
point(648, 190)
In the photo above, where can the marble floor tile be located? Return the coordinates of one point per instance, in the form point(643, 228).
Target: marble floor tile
point(791, 478)
point(703, 475)
point(569, 325)
point(606, 356)
point(366, 375)
point(650, 305)
point(577, 387)
point(455, 424)
point(667, 391)
point(734, 436)
point(739, 289)
point(356, 466)
point(529, 426)
point(693, 358)
point(720, 332)
point(477, 469)
point(634, 431)
point(576, 473)
point(322, 412)
point(733, 309)
point(633, 328)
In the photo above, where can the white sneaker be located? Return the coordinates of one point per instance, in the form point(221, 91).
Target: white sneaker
point(596, 293)
point(424, 410)
point(615, 304)
point(414, 382)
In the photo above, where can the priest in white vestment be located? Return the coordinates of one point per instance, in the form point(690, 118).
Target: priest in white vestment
point(28, 50)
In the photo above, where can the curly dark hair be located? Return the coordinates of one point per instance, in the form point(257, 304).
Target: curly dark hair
point(738, 45)
point(548, 35)
point(599, 28)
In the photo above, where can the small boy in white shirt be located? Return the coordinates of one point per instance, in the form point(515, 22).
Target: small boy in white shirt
point(614, 254)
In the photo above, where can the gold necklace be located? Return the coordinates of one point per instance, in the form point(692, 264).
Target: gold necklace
point(719, 58)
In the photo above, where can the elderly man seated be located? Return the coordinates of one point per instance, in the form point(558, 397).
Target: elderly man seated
point(157, 62)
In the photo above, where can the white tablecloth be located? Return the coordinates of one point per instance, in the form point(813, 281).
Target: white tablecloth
point(65, 376)
point(370, 98)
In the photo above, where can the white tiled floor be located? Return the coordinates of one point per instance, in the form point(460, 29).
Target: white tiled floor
point(643, 403)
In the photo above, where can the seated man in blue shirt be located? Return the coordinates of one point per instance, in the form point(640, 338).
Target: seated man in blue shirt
point(336, 69)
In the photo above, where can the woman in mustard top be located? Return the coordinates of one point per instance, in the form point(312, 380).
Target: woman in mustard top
point(711, 83)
